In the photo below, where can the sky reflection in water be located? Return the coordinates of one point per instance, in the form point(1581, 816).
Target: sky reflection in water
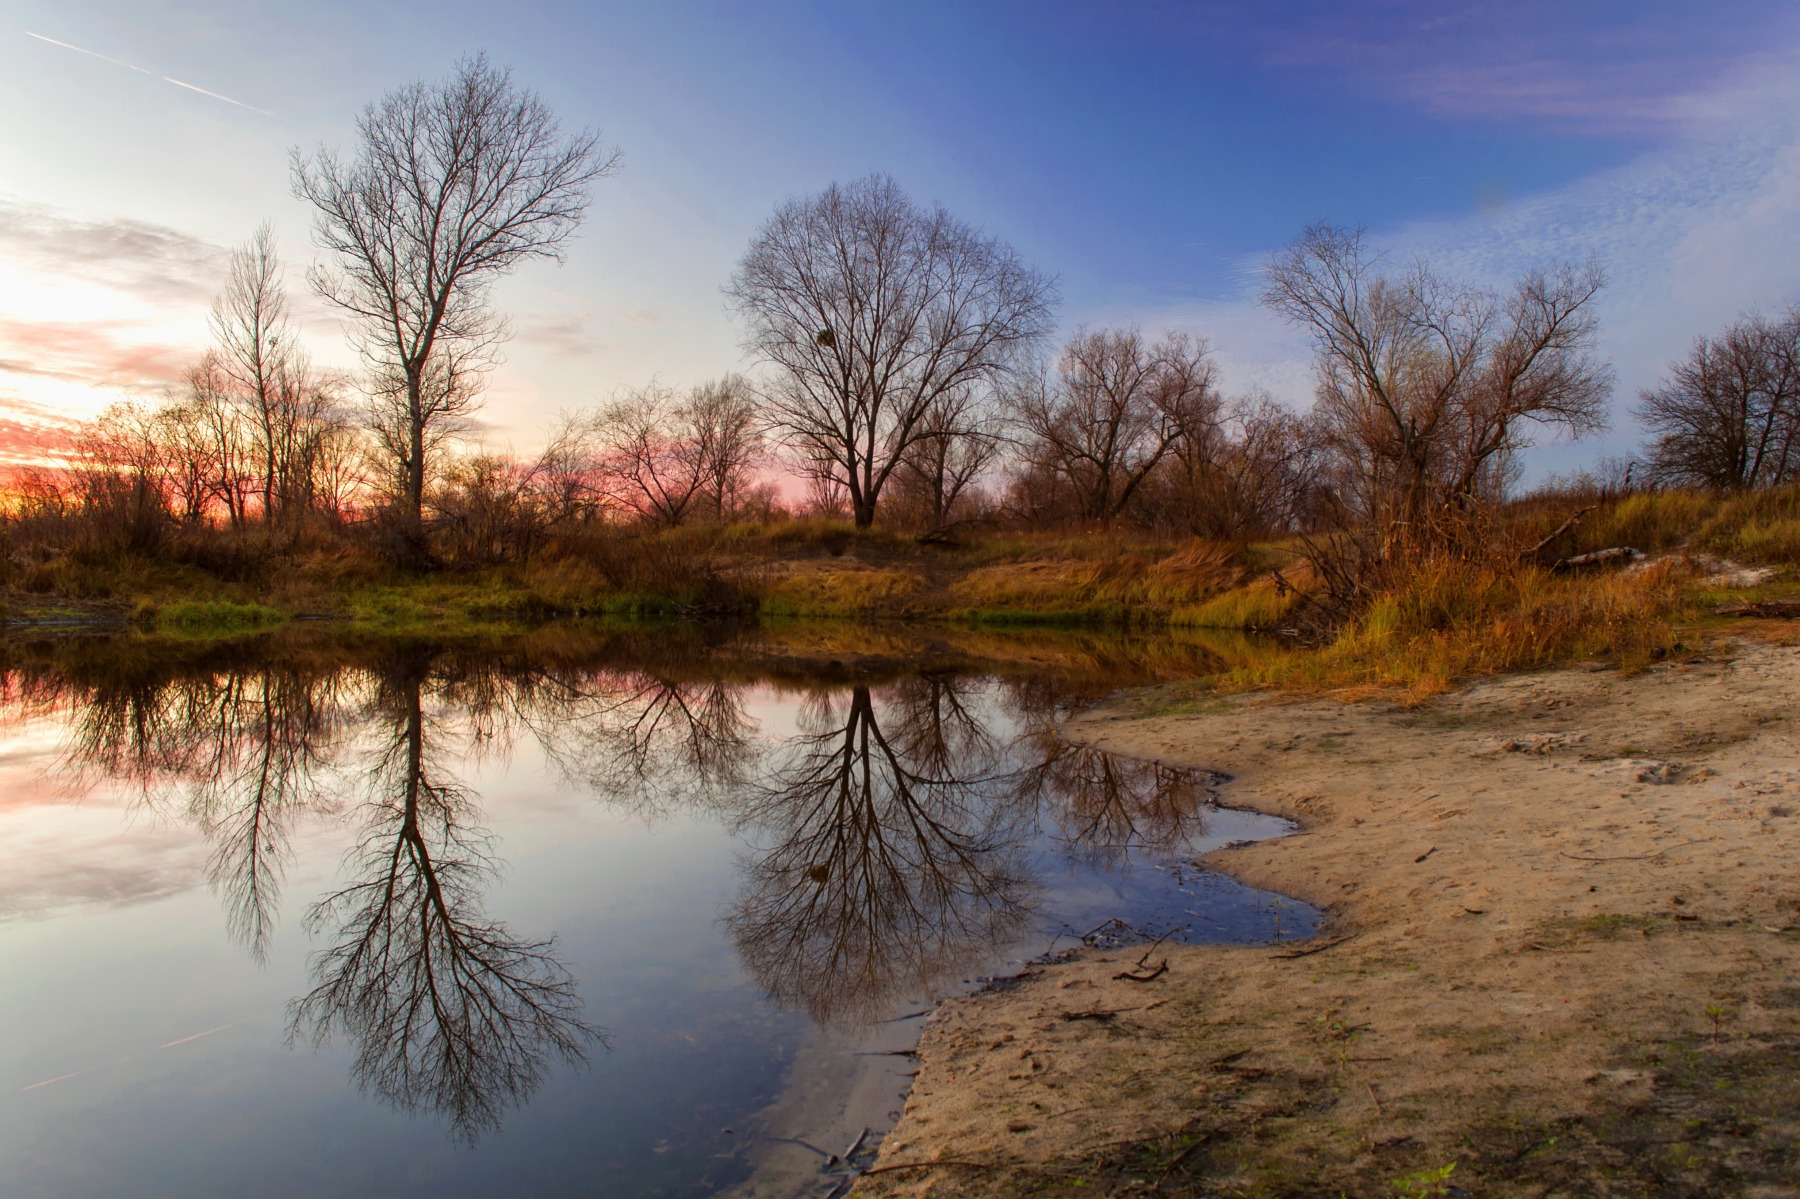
point(617, 889)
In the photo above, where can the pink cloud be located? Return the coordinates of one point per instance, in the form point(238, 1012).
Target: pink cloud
point(88, 352)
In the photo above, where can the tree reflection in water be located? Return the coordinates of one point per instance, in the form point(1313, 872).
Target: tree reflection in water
point(892, 863)
point(241, 753)
point(448, 1010)
point(895, 839)
point(651, 744)
point(1102, 808)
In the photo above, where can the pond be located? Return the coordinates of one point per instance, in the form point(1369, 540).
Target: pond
point(641, 913)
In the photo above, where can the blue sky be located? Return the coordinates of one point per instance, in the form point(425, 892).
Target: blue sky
point(1151, 155)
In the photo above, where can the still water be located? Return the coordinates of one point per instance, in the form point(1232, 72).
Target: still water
point(306, 920)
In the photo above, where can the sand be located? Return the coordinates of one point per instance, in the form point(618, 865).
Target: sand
point(1564, 926)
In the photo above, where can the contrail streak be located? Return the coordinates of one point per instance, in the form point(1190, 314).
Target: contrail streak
point(119, 62)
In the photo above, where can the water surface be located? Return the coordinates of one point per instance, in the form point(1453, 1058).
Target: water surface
point(312, 919)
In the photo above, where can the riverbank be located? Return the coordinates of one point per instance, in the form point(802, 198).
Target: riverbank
point(1564, 939)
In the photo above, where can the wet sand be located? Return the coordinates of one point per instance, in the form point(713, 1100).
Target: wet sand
point(1563, 957)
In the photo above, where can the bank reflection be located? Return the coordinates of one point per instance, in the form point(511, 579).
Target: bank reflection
point(241, 754)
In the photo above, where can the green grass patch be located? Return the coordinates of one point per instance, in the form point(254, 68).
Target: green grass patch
point(216, 618)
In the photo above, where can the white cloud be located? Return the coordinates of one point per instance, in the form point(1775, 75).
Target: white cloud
point(1692, 234)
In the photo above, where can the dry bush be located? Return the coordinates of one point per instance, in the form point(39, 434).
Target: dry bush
point(1455, 620)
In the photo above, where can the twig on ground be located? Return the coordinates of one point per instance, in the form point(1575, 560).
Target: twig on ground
point(1162, 968)
point(1312, 949)
point(968, 1165)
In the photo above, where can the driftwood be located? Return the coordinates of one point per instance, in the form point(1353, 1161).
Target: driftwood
point(1564, 527)
point(1618, 555)
point(1765, 609)
point(1160, 969)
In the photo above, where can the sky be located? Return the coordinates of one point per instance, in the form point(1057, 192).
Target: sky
point(1149, 155)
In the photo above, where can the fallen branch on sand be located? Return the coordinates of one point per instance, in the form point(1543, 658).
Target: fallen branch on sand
point(1532, 553)
point(1312, 949)
point(1162, 968)
point(1618, 555)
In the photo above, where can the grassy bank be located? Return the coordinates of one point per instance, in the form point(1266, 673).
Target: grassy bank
point(1447, 620)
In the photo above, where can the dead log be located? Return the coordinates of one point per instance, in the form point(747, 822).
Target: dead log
point(1618, 555)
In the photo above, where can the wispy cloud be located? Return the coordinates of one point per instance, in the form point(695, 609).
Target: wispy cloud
point(1691, 234)
point(567, 335)
point(119, 62)
point(23, 444)
point(88, 352)
point(1604, 68)
point(154, 262)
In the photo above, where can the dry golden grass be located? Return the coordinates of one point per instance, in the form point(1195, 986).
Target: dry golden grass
point(1119, 583)
point(1756, 527)
point(1456, 620)
point(835, 589)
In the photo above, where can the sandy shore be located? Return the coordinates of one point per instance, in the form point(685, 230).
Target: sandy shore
point(1562, 960)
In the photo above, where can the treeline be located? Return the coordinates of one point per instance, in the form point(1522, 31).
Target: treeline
point(904, 374)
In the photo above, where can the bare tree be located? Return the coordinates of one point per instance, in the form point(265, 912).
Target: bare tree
point(653, 465)
point(721, 416)
point(259, 352)
point(870, 311)
point(669, 457)
point(568, 473)
point(962, 440)
point(1249, 474)
point(1426, 389)
point(452, 185)
point(1112, 409)
point(1728, 415)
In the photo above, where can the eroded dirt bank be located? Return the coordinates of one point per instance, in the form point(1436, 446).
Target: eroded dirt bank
point(1562, 961)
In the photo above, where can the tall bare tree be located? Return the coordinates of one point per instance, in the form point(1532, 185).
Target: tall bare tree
point(870, 311)
point(452, 185)
point(1728, 415)
point(259, 352)
point(1427, 389)
point(1113, 408)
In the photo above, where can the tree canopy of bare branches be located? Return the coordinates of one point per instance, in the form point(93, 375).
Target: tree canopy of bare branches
point(1728, 415)
point(288, 412)
point(1427, 389)
point(1112, 409)
point(452, 184)
point(873, 314)
point(666, 457)
point(1249, 473)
